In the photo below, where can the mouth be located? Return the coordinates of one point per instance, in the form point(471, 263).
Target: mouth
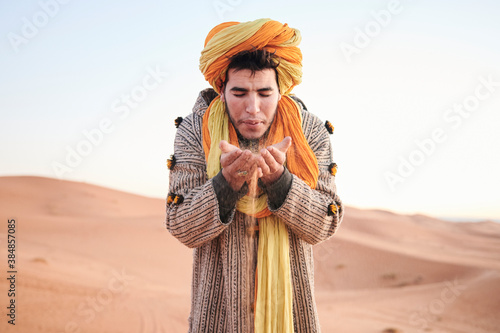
point(252, 122)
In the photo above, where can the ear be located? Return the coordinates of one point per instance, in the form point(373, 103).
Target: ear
point(222, 93)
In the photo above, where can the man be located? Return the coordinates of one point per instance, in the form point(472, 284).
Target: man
point(252, 185)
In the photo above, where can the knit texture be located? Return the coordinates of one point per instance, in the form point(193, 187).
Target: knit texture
point(225, 253)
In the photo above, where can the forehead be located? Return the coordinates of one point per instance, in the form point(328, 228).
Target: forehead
point(244, 78)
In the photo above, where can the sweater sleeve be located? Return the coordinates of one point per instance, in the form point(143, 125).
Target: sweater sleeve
point(194, 218)
point(306, 210)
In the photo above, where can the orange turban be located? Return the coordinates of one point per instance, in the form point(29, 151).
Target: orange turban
point(230, 38)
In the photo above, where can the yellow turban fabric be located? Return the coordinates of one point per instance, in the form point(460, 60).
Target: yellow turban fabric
point(273, 308)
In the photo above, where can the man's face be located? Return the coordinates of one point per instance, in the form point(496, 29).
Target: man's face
point(251, 101)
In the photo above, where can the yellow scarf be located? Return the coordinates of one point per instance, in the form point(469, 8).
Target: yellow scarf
point(274, 293)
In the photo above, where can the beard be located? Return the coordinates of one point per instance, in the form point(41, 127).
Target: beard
point(250, 144)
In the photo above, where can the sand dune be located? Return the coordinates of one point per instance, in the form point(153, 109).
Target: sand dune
point(91, 259)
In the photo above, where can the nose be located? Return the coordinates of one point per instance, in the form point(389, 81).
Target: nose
point(253, 105)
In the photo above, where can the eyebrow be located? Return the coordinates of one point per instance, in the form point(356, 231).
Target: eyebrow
point(246, 90)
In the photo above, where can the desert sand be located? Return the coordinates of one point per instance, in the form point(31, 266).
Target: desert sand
point(91, 259)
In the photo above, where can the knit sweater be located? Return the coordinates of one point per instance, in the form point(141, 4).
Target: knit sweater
point(225, 251)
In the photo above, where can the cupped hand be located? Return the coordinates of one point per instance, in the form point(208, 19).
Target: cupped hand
point(272, 160)
point(238, 166)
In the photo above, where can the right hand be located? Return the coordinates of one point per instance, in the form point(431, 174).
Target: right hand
point(235, 163)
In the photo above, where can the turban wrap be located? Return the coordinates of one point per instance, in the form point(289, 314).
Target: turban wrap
point(273, 306)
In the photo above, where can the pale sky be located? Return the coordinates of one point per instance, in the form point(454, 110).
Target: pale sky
point(90, 91)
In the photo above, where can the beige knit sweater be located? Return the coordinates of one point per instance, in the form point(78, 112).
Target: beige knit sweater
point(224, 256)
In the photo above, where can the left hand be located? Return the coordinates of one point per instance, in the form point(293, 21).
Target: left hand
point(272, 160)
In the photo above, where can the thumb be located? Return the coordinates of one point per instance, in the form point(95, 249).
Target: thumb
point(284, 144)
point(222, 145)
point(226, 147)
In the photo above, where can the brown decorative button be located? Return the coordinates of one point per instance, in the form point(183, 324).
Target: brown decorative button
point(329, 127)
point(171, 162)
point(332, 209)
point(333, 169)
point(170, 198)
point(178, 121)
point(178, 199)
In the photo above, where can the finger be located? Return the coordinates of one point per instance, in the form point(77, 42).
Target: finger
point(226, 147)
point(263, 164)
point(240, 163)
point(251, 164)
point(270, 161)
point(253, 172)
point(283, 145)
point(278, 156)
point(227, 159)
point(260, 174)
